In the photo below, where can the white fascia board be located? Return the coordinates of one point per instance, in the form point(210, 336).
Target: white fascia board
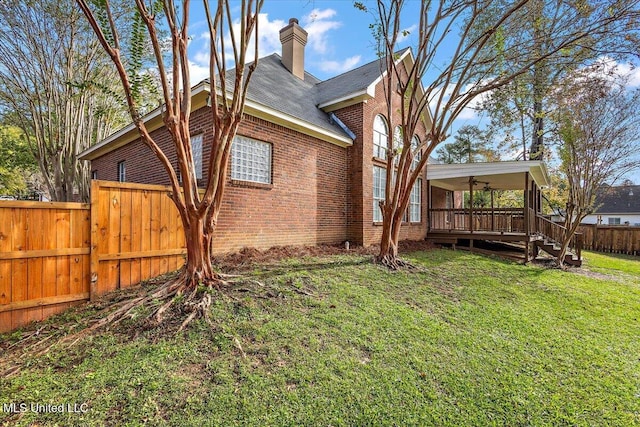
point(104, 147)
point(354, 97)
point(536, 168)
point(129, 133)
point(260, 111)
point(407, 56)
point(384, 73)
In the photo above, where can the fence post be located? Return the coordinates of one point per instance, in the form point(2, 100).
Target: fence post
point(94, 261)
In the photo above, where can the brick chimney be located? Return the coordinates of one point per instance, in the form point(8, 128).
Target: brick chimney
point(293, 39)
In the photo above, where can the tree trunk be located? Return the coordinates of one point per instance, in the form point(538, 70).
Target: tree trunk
point(388, 254)
point(198, 267)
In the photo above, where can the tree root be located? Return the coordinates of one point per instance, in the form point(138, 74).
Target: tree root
point(394, 263)
point(173, 299)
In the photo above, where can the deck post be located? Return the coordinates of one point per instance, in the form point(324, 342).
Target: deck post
point(429, 213)
point(526, 218)
point(493, 214)
point(471, 204)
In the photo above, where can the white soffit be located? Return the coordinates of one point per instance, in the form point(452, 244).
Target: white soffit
point(497, 175)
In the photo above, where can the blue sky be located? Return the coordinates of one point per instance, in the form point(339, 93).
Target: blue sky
point(339, 37)
point(339, 40)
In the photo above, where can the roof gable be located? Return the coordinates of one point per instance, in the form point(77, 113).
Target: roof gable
point(355, 84)
point(276, 95)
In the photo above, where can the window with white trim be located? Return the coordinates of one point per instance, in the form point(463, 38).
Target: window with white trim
point(397, 144)
point(415, 199)
point(417, 155)
point(380, 137)
point(379, 178)
point(614, 221)
point(122, 171)
point(196, 152)
point(251, 160)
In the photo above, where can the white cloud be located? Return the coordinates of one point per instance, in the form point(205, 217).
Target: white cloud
point(406, 33)
point(197, 72)
point(470, 111)
point(318, 24)
point(268, 42)
point(607, 66)
point(339, 66)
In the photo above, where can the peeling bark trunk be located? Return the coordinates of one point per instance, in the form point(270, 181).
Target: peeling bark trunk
point(198, 267)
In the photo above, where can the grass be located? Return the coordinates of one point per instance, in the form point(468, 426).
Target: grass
point(466, 340)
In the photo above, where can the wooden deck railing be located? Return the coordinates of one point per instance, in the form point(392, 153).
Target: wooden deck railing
point(501, 220)
point(506, 220)
point(555, 231)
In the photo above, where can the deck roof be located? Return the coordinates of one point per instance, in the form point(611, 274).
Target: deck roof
point(496, 175)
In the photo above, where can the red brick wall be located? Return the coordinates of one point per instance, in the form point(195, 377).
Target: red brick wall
point(306, 203)
point(361, 227)
point(321, 193)
point(352, 117)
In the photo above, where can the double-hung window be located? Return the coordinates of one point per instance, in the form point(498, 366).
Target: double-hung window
point(415, 199)
point(417, 154)
point(379, 178)
point(251, 160)
point(122, 171)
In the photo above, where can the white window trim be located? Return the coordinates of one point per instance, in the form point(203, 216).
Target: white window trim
point(380, 139)
point(417, 154)
point(415, 201)
point(246, 164)
point(378, 192)
point(122, 171)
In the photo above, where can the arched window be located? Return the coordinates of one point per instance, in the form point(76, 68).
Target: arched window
point(417, 155)
point(380, 137)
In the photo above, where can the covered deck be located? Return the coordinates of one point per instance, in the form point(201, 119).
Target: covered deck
point(450, 222)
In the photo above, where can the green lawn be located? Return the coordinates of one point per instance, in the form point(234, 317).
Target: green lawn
point(466, 340)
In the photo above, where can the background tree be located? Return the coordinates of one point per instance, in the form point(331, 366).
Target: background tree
point(198, 211)
point(53, 85)
point(520, 108)
point(598, 129)
point(451, 70)
point(17, 164)
point(471, 144)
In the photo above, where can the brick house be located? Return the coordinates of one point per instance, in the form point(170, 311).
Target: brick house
point(308, 163)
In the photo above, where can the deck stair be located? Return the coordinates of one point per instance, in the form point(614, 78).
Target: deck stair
point(553, 248)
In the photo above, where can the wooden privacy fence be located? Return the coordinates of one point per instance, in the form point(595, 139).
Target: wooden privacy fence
point(615, 239)
point(53, 255)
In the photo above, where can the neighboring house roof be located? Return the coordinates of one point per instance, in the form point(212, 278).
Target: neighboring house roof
point(624, 199)
point(497, 175)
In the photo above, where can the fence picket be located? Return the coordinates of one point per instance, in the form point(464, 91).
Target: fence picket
point(53, 255)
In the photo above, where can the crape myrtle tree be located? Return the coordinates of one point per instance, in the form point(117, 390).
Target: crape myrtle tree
point(461, 52)
point(597, 129)
point(162, 23)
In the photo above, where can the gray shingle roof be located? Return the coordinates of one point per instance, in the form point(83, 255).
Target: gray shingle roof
point(272, 85)
point(622, 199)
point(352, 81)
